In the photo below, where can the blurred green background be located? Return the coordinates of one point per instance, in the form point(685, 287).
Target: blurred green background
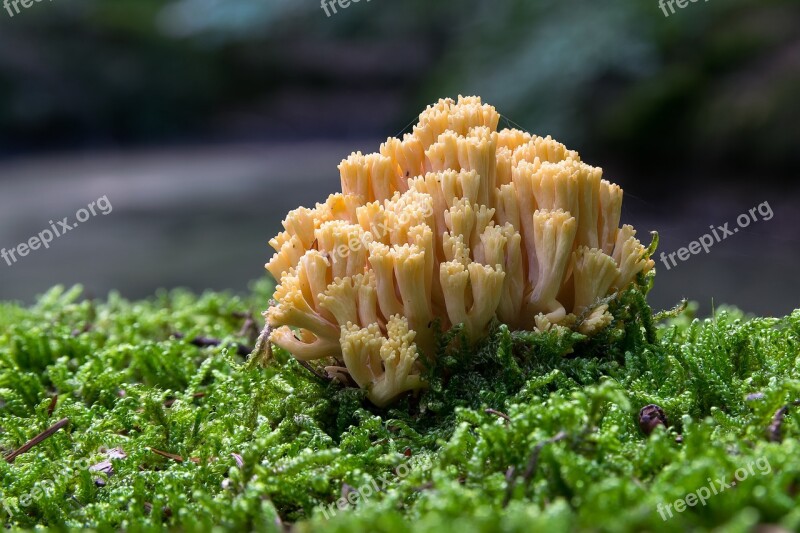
point(204, 121)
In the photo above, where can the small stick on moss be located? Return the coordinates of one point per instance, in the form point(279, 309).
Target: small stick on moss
point(262, 353)
point(534, 459)
point(165, 510)
point(347, 489)
point(74, 499)
point(774, 433)
point(174, 457)
point(510, 474)
point(208, 342)
point(171, 401)
point(530, 470)
point(38, 439)
point(85, 329)
point(424, 487)
point(249, 328)
point(52, 406)
point(498, 413)
point(314, 371)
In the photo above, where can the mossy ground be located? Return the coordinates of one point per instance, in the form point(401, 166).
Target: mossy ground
point(271, 448)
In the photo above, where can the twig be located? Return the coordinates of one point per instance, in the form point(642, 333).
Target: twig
point(176, 458)
point(262, 353)
point(498, 413)
point(510, 474)
point(85, 329)
point(534, 459)
point(531, 468)
point(170, 402)
point(347, 489)
point(314, 371)
point(424, 486)
point(208, 342)
point(774, 433)
point(165, 510)
point(249, 328)
point(38, 439)
point(52, 406)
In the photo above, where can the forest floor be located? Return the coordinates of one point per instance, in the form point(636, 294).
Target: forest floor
point(140, 415)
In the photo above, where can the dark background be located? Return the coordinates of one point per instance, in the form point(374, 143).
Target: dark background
point(205, 121)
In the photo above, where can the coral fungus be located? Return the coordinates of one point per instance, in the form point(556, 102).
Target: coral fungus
point(456, 223)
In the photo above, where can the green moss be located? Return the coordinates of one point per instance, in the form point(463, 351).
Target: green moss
point(572, 451)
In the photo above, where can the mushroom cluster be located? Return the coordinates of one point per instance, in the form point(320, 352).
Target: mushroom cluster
point(454, 224)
